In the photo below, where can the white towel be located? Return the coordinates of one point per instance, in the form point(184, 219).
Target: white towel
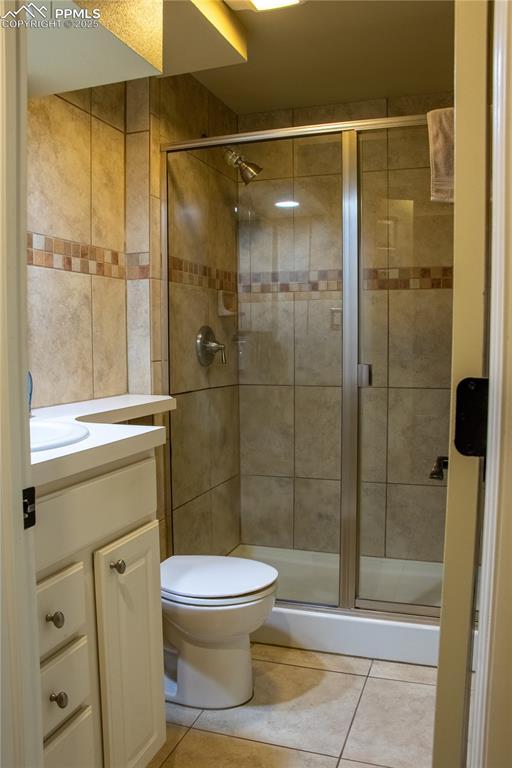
point(441, 143)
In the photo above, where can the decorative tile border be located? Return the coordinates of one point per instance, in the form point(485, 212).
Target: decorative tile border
point(137, 266)
point(70, 256)
point(295, 281)
point(407, 278)
point(190, 273)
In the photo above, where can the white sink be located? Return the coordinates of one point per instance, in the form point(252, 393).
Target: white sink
point(54, 434)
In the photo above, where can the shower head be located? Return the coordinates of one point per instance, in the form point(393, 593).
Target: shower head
point(248, 171)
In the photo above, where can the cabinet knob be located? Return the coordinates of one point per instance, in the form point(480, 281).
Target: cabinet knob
point(57, 619)
point(119, 566)
point(61, 699)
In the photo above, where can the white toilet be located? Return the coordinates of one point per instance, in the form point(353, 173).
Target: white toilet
point(210, 606)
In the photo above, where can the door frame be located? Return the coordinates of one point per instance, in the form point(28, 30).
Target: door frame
point(21, 739)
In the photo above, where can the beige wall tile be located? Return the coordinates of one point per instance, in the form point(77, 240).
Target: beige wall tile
point(317, 155)
point(137, 192)
point(224, 430)
point(139, 336)
point(266, 355)
point(423, 231)
point(188, 208)
point(156, 319)
point(317, 222)
point(393, 725)
point(154, 95)
point(334, 113)
point(408, 147)
point(59, 169)
point(317, 513)
point(275, 158)
point(190, 446)
point(154, 159)
point(184, 108)
point(192, 525)
point(419, 422)
point(222, 121)
point(222, 222)
point(155, 241)
point(226, 516)
point(188, 312)
point(109, 336)
point(373, 150)
point(318, 432)
point(420, 334)
point(81, 98)
point(373, 333)
point(108, 103)
point(374, 217)
point(108, 186)
point(372, 521)
point(266, 430)
point(59, 336)
point(137, 105)
point(419, 104)
point(318, 342)
point(263, 121)
point(162, 535)
point(415, 522)
point(374, 425)
point(225, 330)
point(267, 511)
point(270, 229)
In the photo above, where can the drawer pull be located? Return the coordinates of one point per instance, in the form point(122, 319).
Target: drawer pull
point(57, 619)
point(119, 566)
point(61, 699)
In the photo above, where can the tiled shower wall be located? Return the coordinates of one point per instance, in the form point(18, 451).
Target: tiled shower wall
point(75, 248)
point(290, 337)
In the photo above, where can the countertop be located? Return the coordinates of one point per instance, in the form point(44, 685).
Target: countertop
point(108, 440)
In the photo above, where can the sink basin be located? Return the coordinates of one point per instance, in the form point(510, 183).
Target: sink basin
point(54, 434)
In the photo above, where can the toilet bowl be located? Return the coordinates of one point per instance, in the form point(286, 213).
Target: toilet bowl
point(210, 606)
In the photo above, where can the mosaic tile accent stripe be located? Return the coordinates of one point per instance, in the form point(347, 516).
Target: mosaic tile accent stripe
point(55, 253)
point(137, 266)
point(191, 273)
point(295, 281)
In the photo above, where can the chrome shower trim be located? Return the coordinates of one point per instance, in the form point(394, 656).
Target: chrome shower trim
point(375, 124)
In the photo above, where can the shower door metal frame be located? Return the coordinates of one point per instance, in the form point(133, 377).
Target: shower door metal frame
point(349, 559)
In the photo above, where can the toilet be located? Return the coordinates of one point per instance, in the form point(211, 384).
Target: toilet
point(210, 606)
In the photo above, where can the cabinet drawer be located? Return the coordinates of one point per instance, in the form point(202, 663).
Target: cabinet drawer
point(73, 745)
point(92, 511)
point(60, 598)
point(67, 672)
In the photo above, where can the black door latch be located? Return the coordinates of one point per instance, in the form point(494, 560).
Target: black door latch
point(471, 416)
point(29, 507)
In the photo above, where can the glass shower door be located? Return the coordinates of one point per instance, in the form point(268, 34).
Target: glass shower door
point(405, 319)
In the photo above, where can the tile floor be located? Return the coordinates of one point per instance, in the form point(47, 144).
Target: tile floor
point(311, 710)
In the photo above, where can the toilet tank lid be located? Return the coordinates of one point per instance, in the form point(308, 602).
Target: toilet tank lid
point(214, 576)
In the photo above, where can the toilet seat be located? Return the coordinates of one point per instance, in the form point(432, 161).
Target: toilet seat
point(215, 580)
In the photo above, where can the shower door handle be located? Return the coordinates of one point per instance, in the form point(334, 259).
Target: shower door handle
point(364, 375)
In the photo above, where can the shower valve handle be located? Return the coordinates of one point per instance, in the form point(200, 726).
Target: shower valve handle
point(207, 346)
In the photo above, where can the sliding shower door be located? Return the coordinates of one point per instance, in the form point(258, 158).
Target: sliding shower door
point(290, 363)
point(405, 323)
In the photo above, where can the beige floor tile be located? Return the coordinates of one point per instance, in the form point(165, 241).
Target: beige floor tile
point(174, 735)
point(175, 713)
point(411, 673)
point(393, 725)
point(351, 764)
point(299, 658)
point(294, 707)
point(204, 750)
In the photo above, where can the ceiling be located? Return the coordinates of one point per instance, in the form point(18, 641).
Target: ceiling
point(328, 51)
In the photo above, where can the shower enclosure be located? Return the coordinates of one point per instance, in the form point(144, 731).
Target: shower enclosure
point(342, 344)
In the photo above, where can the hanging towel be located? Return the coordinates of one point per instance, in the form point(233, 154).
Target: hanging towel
point(441, 141)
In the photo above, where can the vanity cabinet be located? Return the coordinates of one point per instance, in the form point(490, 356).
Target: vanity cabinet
point(100, 626)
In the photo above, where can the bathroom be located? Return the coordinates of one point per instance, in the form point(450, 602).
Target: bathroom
point(253, 502)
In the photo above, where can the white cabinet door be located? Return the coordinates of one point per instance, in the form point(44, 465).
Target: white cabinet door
point(129, 614)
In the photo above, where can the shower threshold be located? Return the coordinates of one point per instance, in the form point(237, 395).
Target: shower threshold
point(313, 577)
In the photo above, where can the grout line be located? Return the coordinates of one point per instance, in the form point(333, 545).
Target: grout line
point(313, 669)
point(396, 680)
point(353, 718)
point(363, 763)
